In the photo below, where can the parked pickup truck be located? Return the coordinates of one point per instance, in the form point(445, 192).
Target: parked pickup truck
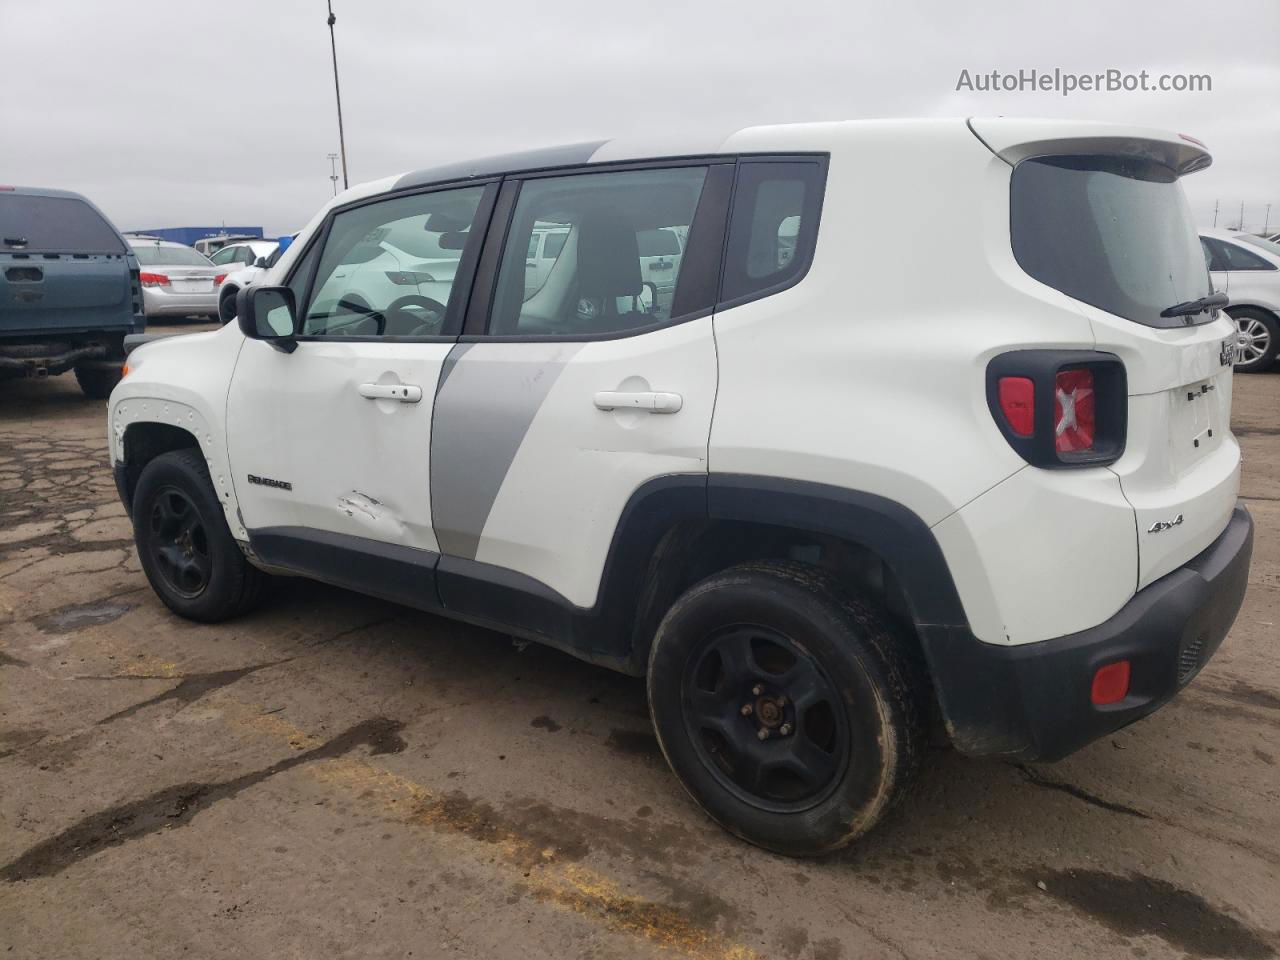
point(69, 289)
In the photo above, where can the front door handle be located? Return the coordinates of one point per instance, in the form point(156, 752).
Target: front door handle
point(404, 392)
point(647, 400)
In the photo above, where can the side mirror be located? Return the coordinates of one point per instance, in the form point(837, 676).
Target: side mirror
point(270, 314)
point(261, 262)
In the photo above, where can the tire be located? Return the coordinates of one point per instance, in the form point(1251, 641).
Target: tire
point(1259, 339)
point(227, 305)
point(98, 382)
point(186, 549)
point(864, 696)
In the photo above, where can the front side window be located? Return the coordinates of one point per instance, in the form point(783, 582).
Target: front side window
point(593, 278)
point(388, 268)
point(224, 256)
point(1112, 232)
point(774, 227)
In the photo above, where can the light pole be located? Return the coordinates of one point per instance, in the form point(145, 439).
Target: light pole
point(342, 143)
point(333, 171)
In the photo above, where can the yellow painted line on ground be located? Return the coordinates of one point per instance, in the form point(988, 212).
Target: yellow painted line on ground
point(564, 886)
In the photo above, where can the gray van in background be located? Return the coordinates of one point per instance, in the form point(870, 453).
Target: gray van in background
point(69, 289)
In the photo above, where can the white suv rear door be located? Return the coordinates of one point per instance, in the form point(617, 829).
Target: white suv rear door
point(567, 399)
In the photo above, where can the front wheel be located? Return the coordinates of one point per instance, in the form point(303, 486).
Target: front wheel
point(1257, 339)
point(789, 710)
point(184, 544)
point(227, 305)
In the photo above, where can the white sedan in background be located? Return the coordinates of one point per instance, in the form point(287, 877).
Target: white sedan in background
point(1247, 269)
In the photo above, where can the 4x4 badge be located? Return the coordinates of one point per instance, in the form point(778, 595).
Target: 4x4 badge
point(1160, 525)
point(1227, 353)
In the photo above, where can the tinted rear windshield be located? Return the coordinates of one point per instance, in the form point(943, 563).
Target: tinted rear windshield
point(155, 255)
point(1113, 232)
point(657, 243)
point(31, 224)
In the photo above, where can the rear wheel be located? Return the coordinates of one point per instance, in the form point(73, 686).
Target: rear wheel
point(1257, 339)
point(186, 549)
point(98, 381)
point(788, 710)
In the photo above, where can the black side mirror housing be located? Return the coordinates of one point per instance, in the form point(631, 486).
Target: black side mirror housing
point(269, 314)
point(261, 262)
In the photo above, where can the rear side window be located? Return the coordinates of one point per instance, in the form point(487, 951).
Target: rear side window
point(599, 284)
point(1232, 256)
point(774, 226)
point(1112, 232)
point(31, 224)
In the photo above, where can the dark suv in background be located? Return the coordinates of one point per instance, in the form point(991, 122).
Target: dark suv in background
point(69, 289)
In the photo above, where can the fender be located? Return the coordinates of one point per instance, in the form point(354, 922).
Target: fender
point(892, 531)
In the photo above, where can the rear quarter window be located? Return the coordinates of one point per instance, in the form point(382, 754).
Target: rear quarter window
point(35, 224)
point(773, 228)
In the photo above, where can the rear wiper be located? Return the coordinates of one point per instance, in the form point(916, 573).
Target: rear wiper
point(1215, 301)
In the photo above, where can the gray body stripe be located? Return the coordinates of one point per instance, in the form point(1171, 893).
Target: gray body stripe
point(459, 350)
point(562, 156)
point(482, 412)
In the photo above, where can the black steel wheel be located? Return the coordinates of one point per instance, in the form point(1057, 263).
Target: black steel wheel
point(791, 711)
point(179, 543)
point(184, 544)
point(765, 718)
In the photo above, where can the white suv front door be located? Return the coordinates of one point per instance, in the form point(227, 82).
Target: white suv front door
point(330, 444)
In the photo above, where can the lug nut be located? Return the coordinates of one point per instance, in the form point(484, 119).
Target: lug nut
point(746, 710)
point(785, 729)
point(762, 734)
point(757, 689)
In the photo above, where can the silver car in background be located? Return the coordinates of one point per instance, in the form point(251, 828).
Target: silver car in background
point(176, 280)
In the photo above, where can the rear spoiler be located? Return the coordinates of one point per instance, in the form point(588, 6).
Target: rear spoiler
point(1014, 140)
point(133, 341)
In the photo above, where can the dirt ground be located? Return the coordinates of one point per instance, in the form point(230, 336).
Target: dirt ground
point(335, 776)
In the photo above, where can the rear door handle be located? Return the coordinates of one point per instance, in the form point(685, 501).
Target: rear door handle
point(404, 392)
point(647, 400)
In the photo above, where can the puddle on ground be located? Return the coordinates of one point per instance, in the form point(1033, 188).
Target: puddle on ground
point(81, 615)
point(1137, 905)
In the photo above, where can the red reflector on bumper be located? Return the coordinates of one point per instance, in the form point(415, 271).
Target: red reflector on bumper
point(1110, 683)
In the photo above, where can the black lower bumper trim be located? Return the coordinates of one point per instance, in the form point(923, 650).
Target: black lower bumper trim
point(1033, 702)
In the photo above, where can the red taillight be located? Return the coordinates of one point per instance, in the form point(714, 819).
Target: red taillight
point(1018, 404)
point(217, 281)
point(1110, 683)
point(153, 279)
point(1074, 423)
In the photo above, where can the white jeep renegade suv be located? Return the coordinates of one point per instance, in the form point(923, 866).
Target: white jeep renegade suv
point(821, 497)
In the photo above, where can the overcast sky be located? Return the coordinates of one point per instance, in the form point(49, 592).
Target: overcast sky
point(179, 113)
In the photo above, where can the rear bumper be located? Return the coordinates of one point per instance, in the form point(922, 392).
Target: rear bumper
point(52, 364)
point(159, 303)
point(1032, 701)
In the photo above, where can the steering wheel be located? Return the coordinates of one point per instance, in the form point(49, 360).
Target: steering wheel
point(356, 306)
point(407, 306)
